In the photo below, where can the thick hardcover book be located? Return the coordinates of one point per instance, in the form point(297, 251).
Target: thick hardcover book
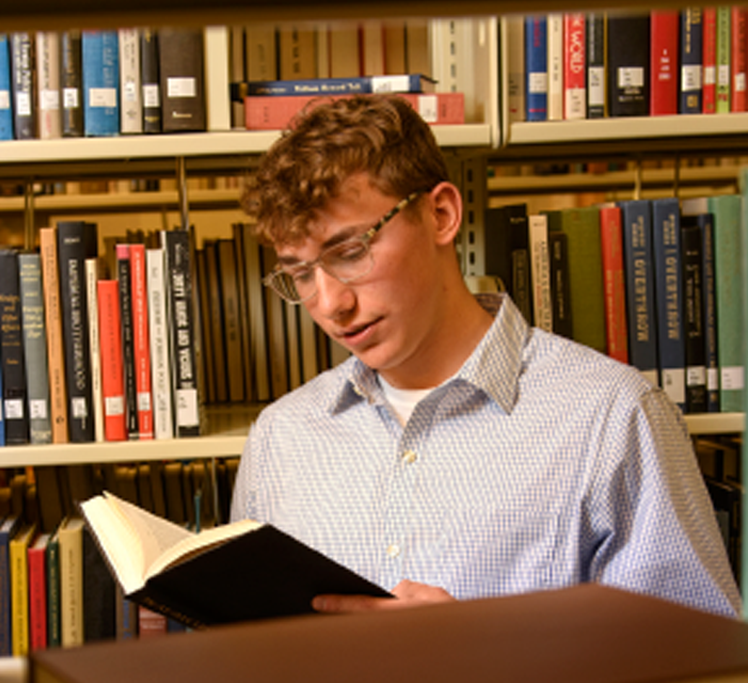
point(709, 307)
point(99, 594)
point(180, 310)
point(297, 51)
point(71, 83)
point(235, 572)
point(149, 81)
point(691, 61)
point(540, 272)
point(693, 319)
point(555, 30)
point(217, 81)
point(513, 34)
point(48, 84)
point(628, 64)
point(560, 294)
point(229, 278)
point(611, 242)
point(536, 67)
point(262, 52)
point(101, 84)
point(71, 582)
point(596, 85)
point(19, 596)
point(180, 52)
point(415, 83)
point(668, 272)
point(76, 241)
point(35, 347)
point(6, 109)
point(215, 335)
point(124, 278)
point(11, 352)
point(37, 559)
point(274, 113)
point(8, 529)
point(727, 269)
point(22, 79)
point(664, 28)
point(738, 20)
point(710, 57)
point(130, 92)
point(112, 365)
point(141, 341)
point(575, 65)
point(94, 339)
point(54, 621)
point(636, 216)
point(499, 222)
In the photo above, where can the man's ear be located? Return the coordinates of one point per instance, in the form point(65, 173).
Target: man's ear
point(446, 204)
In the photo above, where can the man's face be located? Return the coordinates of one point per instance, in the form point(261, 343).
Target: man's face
point(383, 316)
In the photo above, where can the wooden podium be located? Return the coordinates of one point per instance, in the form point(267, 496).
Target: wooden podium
point(583, 634)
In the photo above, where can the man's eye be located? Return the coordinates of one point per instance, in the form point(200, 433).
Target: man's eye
point(301, 275)
point(352, 251)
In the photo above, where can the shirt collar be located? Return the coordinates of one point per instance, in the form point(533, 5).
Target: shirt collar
point(493, 367)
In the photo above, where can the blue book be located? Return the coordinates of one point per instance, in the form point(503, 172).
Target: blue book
point(669, 298)
point(100, 60)
point(691, 53)
point(343, 86)
point(536, 66)
point(8, 529)
point(636, 220)
point(6, 112)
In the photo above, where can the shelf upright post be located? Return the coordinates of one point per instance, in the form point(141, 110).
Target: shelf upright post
point(184, 209)
point(469, 174)
point(28, 215)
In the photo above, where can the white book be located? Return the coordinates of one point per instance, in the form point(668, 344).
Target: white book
point(131, 100)
point(48, 84)
point(217, 89)
point(514, 37)
point(94, 340)
point(537, 226)
point(163, 421)
point(555, 39)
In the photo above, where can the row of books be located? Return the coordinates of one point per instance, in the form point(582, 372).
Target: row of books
point(55, 587)
point(653, 283)
point(89, 357)
point(579, 65)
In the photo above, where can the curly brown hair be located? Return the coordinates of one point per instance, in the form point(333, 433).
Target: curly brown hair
point(327, 143)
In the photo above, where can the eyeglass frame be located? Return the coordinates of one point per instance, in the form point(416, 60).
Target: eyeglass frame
point(365, 239)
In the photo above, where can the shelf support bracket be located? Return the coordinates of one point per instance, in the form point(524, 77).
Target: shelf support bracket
point(29, 238)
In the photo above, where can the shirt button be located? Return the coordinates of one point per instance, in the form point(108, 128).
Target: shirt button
point(393, 550)
point(409, 457)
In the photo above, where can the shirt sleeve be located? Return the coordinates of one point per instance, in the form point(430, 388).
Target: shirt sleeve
point(652, 519)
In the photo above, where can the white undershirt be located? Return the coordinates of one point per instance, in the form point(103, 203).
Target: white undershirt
point(403, 401)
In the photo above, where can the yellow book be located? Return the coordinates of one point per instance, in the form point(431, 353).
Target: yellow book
point(19, 594)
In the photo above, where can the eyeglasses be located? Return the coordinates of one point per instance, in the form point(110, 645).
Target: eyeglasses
point(346, 261)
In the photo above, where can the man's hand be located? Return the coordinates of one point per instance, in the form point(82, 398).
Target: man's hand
point(407, 594)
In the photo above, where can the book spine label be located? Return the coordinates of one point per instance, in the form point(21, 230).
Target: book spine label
point(575, 62)
point(738, 58)
point(124, 277)
point(35, 347)
point(22, 72)
point(595, 65)
point(611, 242)
point(664, 27)
point(536, 64)
point(141, 343)
point(101, 86)
point(6, 110)
point(71, 83)
point(710, 61)
point(691, 56)
point(151, 95)
point(555, 28)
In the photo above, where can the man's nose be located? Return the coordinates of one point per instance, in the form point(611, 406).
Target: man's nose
point(333, 296)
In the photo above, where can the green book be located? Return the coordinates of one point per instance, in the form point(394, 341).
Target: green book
point(54, 628)
point(723, 60)
point(730, 315)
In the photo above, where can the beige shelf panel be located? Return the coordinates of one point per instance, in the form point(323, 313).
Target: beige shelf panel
point(715, 423)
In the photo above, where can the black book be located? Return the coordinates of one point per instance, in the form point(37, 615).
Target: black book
point(124, 278)
point(628, 64)
point(180, 57)
point(693, 319)
point(230, 573)
point(500, 241)
point(595, 65)
point(149, 79)
point(99, 593)
point(71, 83)
point(22, 85)
point(15, 407)
point(76, 241)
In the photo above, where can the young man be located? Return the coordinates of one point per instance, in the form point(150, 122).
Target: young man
point(458, 454)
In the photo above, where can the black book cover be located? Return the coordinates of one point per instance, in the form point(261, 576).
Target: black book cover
point(71, 84)
point(595, 65)
point(22, 85)
point(693, 301)
point(124, 279)
point(15, 408)
point(99, 594)
point(150, 81)
point(521, 287)
point(500, 240)
point(628, 64)
point(180, 56)
point(76, 241)
point(560, 294)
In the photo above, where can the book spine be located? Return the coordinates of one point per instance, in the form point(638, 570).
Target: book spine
point(113, 372)
point(71, 584)
point(94, 339)
point(560, 295)
point(54, 623)
point(692, 247)
point(669, 298)
point(37, 598)
point(182, 80)
point(596, 65)
point(711, 61)
point(719, 79)
point(691, 56)
point(738, 57)
point(664, 27)
point(555, 30)
point(99, 594)
point(611, 242)
point(19, 577)
point(540, 274)
point(48, 84)
point(628, 65)
point(22, 73)
point(58, 409)
point(514, 34)
point(35, 347)
point(131, 103)
point(6, 109)
point(11, 352)
point(101, 86)
point(229, 286)
point(151, 95)
point(124, 277)
point(262, 52)
point(179, 297)
point(217, 87)
point(575, 62)
point(141, 342)
point(706, 223)
point(536, 65)
point(7, 531)
point(71, 83)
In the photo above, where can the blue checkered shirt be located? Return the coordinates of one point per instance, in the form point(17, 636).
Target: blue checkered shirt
point(540, 464)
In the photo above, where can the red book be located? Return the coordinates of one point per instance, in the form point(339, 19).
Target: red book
point(151, 624)
point(141, 341)
point(575, 62)
point(274, 112)
point(664, 29)
point(738, 57)
point(611, 242)
point(709, 60)
point(38, 593)
point(112, 364)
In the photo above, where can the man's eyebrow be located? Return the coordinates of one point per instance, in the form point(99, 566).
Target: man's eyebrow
point(340, 236)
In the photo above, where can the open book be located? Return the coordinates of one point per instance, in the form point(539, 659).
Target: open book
point(235, 572)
